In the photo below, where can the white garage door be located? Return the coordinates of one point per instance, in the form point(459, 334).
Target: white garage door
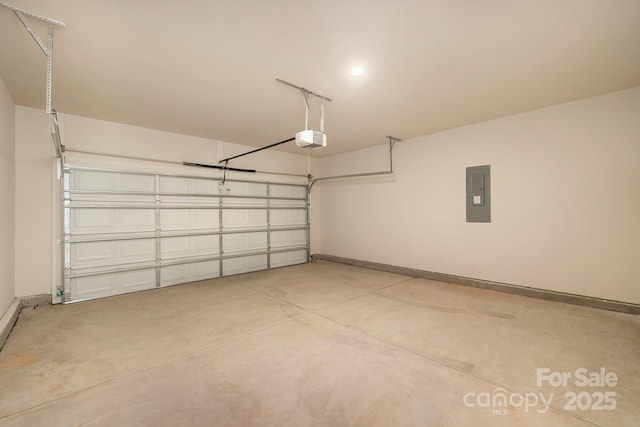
point(131, 231)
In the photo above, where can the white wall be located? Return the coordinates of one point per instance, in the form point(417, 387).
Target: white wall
point(33, 222)
point(36, 183)
point(565, 201)
point(564, 186)
point(7, 181)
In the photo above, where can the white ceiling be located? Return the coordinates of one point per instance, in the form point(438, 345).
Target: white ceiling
point(208, 68)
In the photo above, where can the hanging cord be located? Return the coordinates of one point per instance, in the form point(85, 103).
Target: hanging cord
point(224, 175)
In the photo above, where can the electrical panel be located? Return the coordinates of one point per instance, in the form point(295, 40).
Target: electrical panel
point(479, 194)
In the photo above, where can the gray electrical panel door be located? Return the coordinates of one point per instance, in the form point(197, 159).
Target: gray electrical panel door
point(479, 194)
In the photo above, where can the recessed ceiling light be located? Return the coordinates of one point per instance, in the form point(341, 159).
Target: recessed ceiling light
point(357, 71)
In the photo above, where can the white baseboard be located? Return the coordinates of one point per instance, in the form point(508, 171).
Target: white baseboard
point(604, 304)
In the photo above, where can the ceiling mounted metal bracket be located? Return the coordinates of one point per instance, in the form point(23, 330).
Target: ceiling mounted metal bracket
point(304, 90)
point(306, 93)
point(47, 48)
point(392, 143)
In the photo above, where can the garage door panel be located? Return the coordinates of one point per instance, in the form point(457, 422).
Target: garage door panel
point(211, 201)
point(284, 203)
point(244, 242)
point(284, 217)
point(286, 238)
point(104, 285)
point(174, 246)
point(95, 254)
point(136, 218)
point(205, 218)
point(187, 246)
point(244, 202)
point(137, 183)
point(175, 218)
point(245, 189)
point(138, 248)
point(282, 259)
point(189, 219)
point(244, 264)
point(93, 220)
point(112, 181)
point(289, 191)
point(88, 287)
point(201, 186)
point(188, 185)
point(137, 280)
point(244, 218)
point(109, 220)
point(113, 199)
point(126, 232)
point(184, 273)
point(89, 180)
point(92, 253)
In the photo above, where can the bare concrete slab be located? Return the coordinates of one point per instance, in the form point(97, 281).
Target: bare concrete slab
point(315, 344)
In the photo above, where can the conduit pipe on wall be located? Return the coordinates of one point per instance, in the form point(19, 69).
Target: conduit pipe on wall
point(392, 143)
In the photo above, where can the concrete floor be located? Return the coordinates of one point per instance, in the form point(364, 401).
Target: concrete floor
point(319, 344)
